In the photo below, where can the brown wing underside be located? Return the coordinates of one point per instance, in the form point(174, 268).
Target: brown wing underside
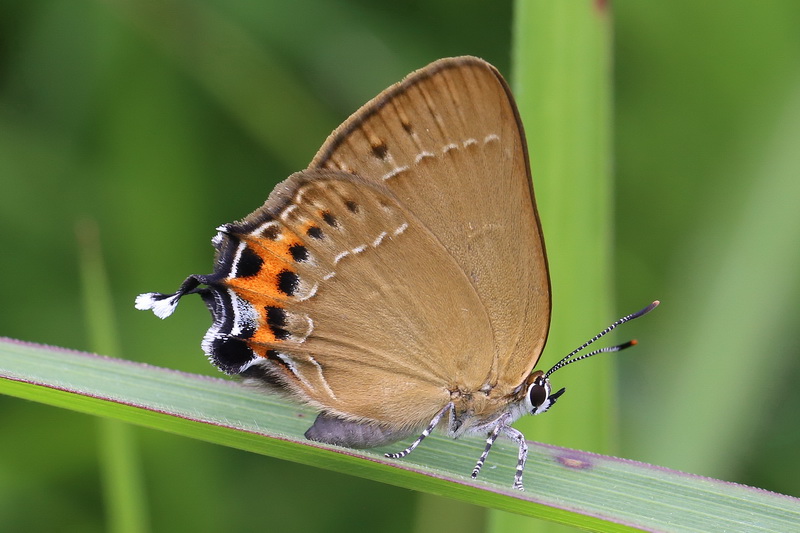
point(406, 264)
point(381, 323)
point(449, 143)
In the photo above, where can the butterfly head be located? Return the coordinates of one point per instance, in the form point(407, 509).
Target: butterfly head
point(539, 396)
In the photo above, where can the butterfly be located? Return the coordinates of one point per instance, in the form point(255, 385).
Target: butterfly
point(398, 284)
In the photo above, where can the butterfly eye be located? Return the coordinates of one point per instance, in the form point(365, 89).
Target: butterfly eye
point(538, 393)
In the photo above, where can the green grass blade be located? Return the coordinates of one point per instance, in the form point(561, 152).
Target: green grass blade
point(561, 71)
point(561, 81)
point(123, 485)
point(585, 490)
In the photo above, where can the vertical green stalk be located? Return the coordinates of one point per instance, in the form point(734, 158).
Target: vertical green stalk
point(562, 82)
point(119, 455)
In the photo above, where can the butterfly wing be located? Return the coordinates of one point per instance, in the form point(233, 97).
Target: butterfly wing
point(403, 270)
point(448, 141)
point(337, 294)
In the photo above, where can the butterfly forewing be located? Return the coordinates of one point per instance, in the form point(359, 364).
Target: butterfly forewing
point(449, 143)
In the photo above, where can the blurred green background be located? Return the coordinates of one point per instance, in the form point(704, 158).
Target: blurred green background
point(160, 120)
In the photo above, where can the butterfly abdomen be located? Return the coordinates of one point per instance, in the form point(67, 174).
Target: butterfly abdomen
point(351, 434)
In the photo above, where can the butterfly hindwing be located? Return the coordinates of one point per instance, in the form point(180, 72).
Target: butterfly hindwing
point(350, 304)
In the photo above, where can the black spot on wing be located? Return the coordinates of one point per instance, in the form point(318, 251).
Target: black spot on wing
point(315, 232)
point(330, 219)
point(379, 150)
point(288, 282)
point(249, 263)
point(276, 316)
point(276, 320)
point(299, 252)
point(230, 354)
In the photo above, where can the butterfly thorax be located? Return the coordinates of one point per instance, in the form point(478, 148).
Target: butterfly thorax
point(474, 412)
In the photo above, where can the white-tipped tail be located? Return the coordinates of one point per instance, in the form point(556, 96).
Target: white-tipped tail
point(162, 305)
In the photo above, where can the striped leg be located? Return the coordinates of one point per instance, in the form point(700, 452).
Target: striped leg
point(424, 434)
point(519, 438)
point(489, 442)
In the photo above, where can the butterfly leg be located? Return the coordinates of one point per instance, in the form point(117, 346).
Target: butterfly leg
point(447, 408)
point(489, 443)
point(516, 436)
point(522, 458)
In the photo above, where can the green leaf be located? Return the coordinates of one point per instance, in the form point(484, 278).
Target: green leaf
point(582, 489)
point(562, 82)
